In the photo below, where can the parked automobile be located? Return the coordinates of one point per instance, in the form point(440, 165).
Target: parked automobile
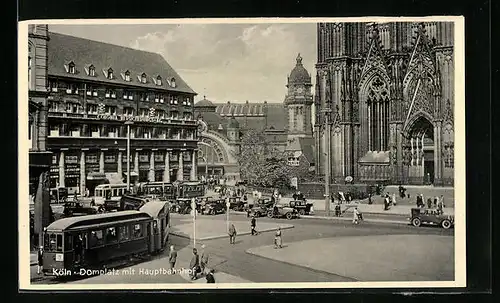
point(260, 207)
point(214, 207)
point(431, 216)
point(282, 211)
point(235, 203)
point(302, 206)
point(183, 206)
point(76, 208)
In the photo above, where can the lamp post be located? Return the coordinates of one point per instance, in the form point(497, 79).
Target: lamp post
point(327, 127)
point(128, 123)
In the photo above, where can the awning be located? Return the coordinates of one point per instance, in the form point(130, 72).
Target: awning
point(132, 174)
point(96, 176)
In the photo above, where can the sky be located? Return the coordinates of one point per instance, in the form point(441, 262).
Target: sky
point(224, 62)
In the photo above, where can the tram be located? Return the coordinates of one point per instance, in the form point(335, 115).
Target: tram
point(76, 244)
point(164, 190)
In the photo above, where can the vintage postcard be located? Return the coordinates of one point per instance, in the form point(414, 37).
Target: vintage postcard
point(242, 153)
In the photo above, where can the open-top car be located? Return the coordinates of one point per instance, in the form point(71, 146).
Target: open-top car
point(78, 208)
point(282, 211)
point(421, 216)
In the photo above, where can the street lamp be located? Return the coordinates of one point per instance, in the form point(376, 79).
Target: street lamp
point(128, 123)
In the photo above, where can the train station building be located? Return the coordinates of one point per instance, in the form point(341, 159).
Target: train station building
point(95, 93)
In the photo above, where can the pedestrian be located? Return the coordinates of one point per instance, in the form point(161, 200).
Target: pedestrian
point(253, 224)
point(370, 202)
point(356, 215)
point(210, 276)
point(277, 239)
point(204, 259)
point(194, 265)
point(420, 202)
point(394, 199)
point(386, 202)
point(429, 203)
point(232, 234)
point(172, 257)
point(39, 268)
point(442, 201)
point(435, 201)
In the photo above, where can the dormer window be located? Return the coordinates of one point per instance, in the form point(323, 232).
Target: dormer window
point(143, 78)
point(71, 68)
point(158, 81)
point(110, 74)
point(172, 82)
point(127, 76)
point(92, 71)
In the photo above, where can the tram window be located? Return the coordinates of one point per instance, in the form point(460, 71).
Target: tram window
point(111, 235)
point(59, 243)
point(137, 231)
point(124, 232)
point(98, 193)
point(68, 244)
point(95, 238)
point(52, 242)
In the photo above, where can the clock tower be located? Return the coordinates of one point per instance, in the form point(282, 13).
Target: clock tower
point(298, 102)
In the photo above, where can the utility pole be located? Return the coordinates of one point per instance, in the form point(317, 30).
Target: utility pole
point(327, 111)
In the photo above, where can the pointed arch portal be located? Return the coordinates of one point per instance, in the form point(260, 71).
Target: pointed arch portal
point(421, 142)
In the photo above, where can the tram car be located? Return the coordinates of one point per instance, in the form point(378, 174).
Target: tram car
point(93, 242)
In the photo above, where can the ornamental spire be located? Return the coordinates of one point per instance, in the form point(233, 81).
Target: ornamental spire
point(299, 59)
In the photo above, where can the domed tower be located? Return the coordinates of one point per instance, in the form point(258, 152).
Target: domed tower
point(233, 130)
point(298, 102)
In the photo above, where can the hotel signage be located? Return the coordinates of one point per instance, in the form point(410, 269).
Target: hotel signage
point(134, 118)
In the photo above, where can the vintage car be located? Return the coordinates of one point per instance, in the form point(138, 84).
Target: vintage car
point(183, 206)
point(282, 211)
point(76, 208)
point(260, 207)
point(214, 207)
point(431, 216)
point(302, 206)
point(236, 203)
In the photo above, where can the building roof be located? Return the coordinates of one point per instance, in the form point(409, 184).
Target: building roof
point(204, 103)
point(307, 147)
point(299, 74)
point(84, 53)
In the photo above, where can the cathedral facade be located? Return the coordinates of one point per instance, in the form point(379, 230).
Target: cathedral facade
point(384, 102)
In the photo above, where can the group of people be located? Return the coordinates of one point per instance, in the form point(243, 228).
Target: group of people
point(389, 200)
point(198, 264)
point(437, 202)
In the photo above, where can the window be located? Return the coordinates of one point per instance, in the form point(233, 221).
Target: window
point(143, 78)
point(172, 82)
point(68, 244)
point(72, 107)
point(160, 114)
point(91, 108)
point(92, 71)
point(91, 91)
point(157, 98)
point(71, 159)
point(59, 246)
point(110, 110)
point(110, 94)
point(54, 130)
point(176, 100)
point(137, 231)
point(94, 130)
point(128, 111)
point(53, 106)
point(292, 161)
point(29, 70)
point(127, 76)
point(95, 238)
point(72, 89)
point(51, 242)
point(112, 133)
point(124, 232)
point(144, 158)
point(53, 86)
point(158, 81)
point(110, 74)
point(91, 158)
point(127, 95)
point(143, 112)
point(158, 158)
point(71, 68)
point(111, 235)
point(144, 97)
point(187, 100)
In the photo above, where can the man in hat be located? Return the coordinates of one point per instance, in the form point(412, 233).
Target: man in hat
point(194, 265)
point(232, 234)
point(172, 257)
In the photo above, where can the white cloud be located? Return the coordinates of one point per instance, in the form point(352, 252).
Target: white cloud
point(234, 62)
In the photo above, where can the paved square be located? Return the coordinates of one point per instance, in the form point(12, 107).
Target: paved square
point(372, 258)
point(207, 229)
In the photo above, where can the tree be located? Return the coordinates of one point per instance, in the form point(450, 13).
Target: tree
point(261, 163)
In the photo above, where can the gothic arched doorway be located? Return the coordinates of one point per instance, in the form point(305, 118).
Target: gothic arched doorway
point(421, 145)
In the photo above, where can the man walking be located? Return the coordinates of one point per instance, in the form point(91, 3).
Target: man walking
point(40, 260)
point(194, 265)
point(204, 259)
point(172, 258)
point(253, 224)
point(232, 234)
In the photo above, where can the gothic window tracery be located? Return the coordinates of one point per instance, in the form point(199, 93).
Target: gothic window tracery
point(378, 115)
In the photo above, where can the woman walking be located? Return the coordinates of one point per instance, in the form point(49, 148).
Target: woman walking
point(277, 239)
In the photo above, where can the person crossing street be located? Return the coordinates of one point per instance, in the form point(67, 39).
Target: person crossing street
point(253, 224)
